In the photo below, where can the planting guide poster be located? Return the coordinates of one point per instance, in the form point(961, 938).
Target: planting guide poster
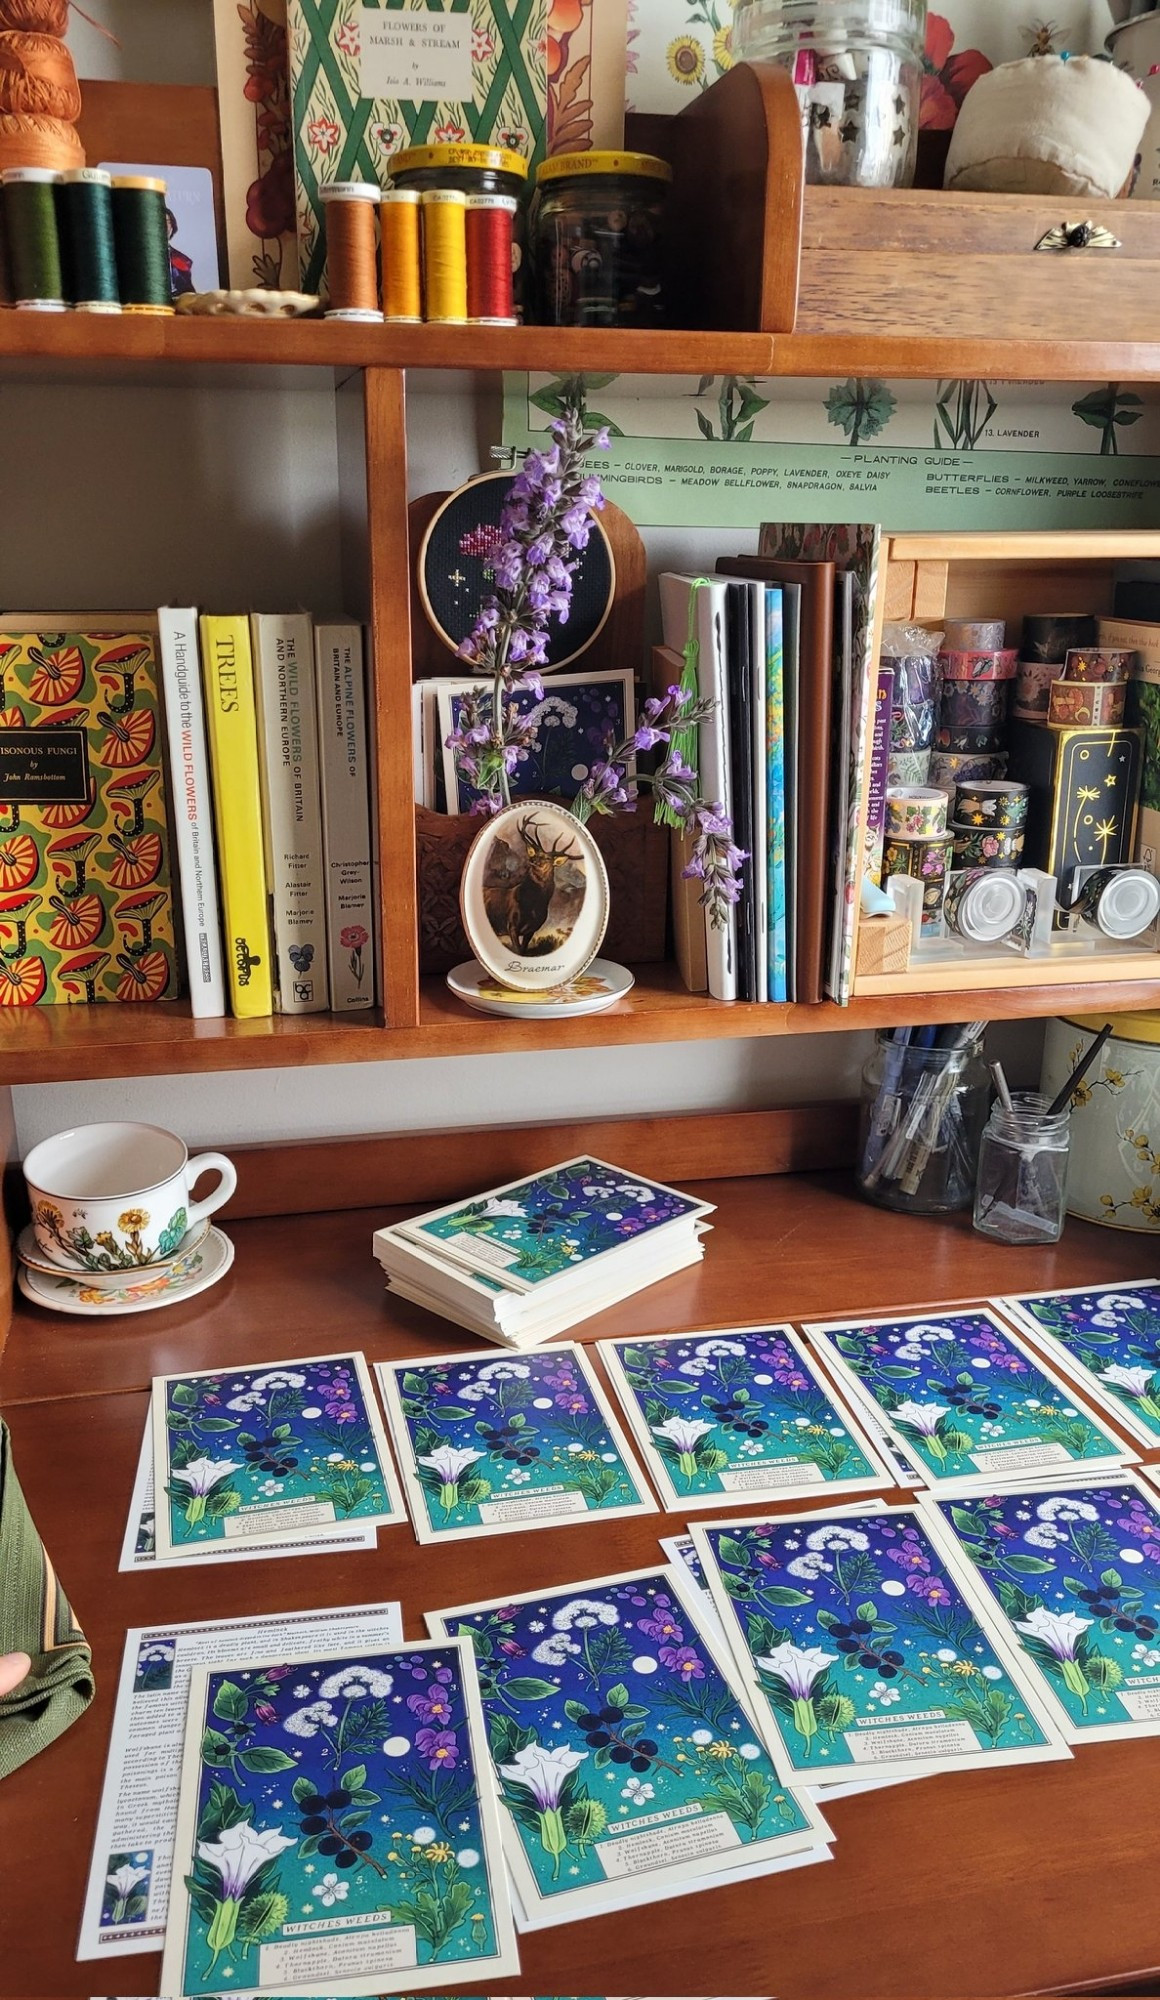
point(127, 1899)
point(733, 451)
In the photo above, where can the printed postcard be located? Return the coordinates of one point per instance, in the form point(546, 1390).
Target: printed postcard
point(1107, 1338)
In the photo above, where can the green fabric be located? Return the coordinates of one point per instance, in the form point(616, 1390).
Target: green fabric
point(35, 1618)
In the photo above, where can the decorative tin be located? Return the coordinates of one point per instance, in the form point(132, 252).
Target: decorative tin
point(1051, 635)
point(974, 635)
point(991, 804)
point(949, 769)
point(1033, 683)
point(1084, 786)
point(985, 905)
point(1121, 902)
point(915, 812)
point(928, 860)
point(987, 846)
point(998, 665)
point(1087, 704)
point(1114, 1176)
point(1091, 663)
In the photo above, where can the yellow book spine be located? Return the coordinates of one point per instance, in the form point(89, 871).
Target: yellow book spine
point(231, 721)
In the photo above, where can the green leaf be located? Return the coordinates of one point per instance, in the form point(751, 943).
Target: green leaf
point(281, 1431)
point(231, 1702)
point(301, 1790)
point(964, 1522)
point(1029, 1565)
point(574, 1710)
point(732, 1551)
point(176, 1421)
point(603, 1756)
point(899, 1374)
point(1112, 1578)
point(778, 1593)
point(618, 1696)
point(703, 424)
point(868, 1610)
point(365, 1798)
point(634, 1711)
point(183, 1396)
point(527, 1688)
point(354, 1779)
point(827, 1620)
point(215, 1748)
point(265, 1760)
point(216, 1424)
point(737, 1586)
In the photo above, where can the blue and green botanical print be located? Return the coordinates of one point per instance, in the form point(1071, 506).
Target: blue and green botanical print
point(510, 1440)
point(1077, 1574)
point(604, 1713)
point(965, 1397)
point(557, 1220)
point(337, 1803)
point(258, 1442)
point(126, 1896)
point(1115, 1338)
point(863, 1646)
point(739, 1413)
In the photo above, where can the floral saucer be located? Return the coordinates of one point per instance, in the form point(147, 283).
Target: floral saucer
point(194, 1272)
point(590, 992)
point(29, 1252)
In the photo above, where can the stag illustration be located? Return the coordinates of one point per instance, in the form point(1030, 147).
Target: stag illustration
point(517, 905)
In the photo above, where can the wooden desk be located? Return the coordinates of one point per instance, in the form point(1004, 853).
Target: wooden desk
point(1031, 1879)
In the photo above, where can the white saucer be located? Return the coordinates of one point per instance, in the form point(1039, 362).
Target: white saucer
point(599, 987)
point(188, 1275)
point(30, 1253)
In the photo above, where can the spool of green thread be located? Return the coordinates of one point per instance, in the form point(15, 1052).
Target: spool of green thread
point(33, 241)
point(141, 235)
point(84, 203)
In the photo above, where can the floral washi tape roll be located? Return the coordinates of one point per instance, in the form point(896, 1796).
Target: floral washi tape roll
point(1122, 902)
point(991, 804)
point(971, 742)
point(976, 665)
point(947, 769)
point(1091, 663)
point(974, 704)
point(984, 905)
point(914, 812)
point(1050, 635)
point(908, 767)
point(1033, 682)
point(988, 846)
point(974, 635)
point(927, 860)
point(1087, 704)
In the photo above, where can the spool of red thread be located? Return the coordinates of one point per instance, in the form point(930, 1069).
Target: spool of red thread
point(490, 225)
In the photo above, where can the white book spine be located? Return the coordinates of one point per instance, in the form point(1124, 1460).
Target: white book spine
point(346, 817)
point(193, 837)
point(291, 810)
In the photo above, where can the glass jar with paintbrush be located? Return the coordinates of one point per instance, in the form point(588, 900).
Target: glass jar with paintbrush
point(925, 1095)
point(1021, 1195)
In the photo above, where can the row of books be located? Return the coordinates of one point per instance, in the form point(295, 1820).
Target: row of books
point(266, 715)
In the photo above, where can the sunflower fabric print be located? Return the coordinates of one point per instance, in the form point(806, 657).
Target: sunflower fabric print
point(86, 910)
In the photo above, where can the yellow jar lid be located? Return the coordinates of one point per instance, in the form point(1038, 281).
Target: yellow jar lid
point(1125, 1027)
point(566, 166)
point(496, 158)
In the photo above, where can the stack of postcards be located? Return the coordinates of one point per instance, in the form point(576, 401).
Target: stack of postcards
point(522, 1262)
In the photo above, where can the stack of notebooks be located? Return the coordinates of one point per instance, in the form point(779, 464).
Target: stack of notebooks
point(521, 1262)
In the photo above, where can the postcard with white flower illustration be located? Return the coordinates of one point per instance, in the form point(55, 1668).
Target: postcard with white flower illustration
point(740, 1412)
point(629, 1763)
point(1108, 1338)
point(286, 1448)
point(864, 1653)
point(531, 1231)
point(487, 1446)
point(1072, 1572)
point(354, 1843)
point(966, 1400)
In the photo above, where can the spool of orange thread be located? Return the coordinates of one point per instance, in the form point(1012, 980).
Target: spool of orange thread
point(490, 223)
point(445, 256)
point(402, 263)
point(351, 251)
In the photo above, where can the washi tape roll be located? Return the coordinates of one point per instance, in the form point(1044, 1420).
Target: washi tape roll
point(1000, 666)
point(1122, 902)
point(988, 846)
point(1050, 635)
point(927, 861)
point(913, 725)
point(984, 904)
point(1091, 663)
point(915, 812)
point(947, 769)
point(972, 742)
point(974, 635)
point(1087, 704)
point(974, 704)
point(908, 767)
point(991, 804)
point(1033, 679)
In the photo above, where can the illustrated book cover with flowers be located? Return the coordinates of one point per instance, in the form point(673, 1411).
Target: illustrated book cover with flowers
point(355, 1841)
point(253, 83)
point(348, 124)
point(485, 1446)
point(1072, 1571)
point(127, 1898)
point(964, 1399)
point(294, 1447)
point(742, 1411)
point(865, 1657)
point(628, 1763)
point(531, 1231)
point(1108, 1339)
point(86, 908)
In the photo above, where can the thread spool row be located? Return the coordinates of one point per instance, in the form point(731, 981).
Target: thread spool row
point(85, 240)
point(446, 256)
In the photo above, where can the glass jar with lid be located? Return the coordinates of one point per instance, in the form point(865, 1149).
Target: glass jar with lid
point(857, 66)
point(596, 239)
point(473, 170)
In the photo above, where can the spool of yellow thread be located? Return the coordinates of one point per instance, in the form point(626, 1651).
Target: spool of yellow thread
point(402, 264)
point(445, 256)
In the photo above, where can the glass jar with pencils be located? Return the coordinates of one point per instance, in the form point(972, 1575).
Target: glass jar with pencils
point(925, 1097)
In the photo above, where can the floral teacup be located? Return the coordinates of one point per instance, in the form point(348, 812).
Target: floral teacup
point(116, 1197)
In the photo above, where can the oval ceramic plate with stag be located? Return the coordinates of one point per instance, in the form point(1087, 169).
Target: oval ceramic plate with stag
point(534, 897)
